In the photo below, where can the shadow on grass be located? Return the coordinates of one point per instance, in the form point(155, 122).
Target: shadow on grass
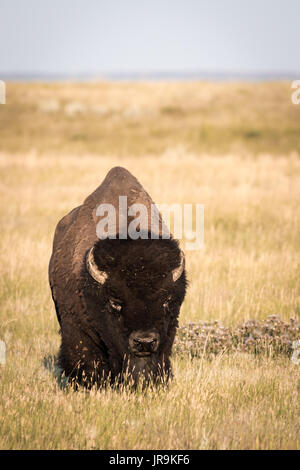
point(51, 364)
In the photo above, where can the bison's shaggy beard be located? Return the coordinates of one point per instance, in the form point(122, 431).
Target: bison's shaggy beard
point(143, 371)
point(133, 372)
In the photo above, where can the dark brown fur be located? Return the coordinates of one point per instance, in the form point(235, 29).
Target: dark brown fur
point(95, 337)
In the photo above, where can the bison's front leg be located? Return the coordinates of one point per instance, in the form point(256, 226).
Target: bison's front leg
point(82, 361)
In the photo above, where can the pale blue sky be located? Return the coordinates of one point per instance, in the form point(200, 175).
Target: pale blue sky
point(94, 37)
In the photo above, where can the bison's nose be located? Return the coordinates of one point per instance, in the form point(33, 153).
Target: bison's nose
point(143, 343)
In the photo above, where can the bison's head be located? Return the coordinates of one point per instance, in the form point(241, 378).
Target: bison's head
point(134, 290)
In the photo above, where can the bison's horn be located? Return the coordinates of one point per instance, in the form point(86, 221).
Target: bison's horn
point(99, 276)
point(178, 271)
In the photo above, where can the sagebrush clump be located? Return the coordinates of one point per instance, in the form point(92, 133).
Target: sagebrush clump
point(272, 337)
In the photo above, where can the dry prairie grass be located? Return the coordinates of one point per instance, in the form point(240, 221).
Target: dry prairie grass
point(248, 269)
point(148, 118)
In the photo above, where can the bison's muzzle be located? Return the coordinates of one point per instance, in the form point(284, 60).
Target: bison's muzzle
point(143, 343)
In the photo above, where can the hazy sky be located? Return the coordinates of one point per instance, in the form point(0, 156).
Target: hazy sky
point(94, 36)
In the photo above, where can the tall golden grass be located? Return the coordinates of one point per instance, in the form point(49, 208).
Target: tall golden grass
point(248, 268)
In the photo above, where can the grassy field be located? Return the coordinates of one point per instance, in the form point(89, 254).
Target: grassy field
point(148, 118)
point(234, 148)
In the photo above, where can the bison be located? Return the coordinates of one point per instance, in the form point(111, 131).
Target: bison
point(117, 299)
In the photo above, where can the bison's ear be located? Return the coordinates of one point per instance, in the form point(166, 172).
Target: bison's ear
point(176, 273)
point(99, 276)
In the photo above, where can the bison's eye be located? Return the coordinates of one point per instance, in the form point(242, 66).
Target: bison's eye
point(116, 305)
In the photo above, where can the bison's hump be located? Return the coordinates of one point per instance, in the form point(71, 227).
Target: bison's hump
point(119, 182)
